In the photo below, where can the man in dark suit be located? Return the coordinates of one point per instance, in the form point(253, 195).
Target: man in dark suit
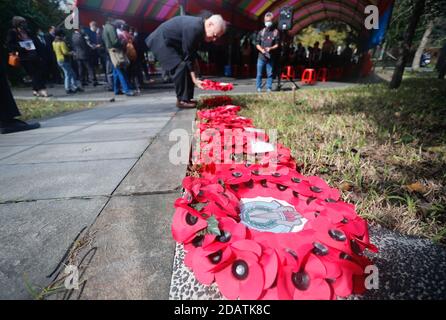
point(175, 43)
point(82, 52)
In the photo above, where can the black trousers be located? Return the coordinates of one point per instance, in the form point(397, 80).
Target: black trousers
point(85, 65)
point(35, 70)
point(8, 107)
point(184, 87)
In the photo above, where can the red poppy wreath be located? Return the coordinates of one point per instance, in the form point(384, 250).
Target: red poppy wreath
point(262, 230)
point(218, 86)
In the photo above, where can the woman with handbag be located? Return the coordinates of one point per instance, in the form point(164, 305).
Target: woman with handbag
point(22, 44)
point(117, 56)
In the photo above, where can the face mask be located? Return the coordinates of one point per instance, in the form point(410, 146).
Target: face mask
point(268, 24)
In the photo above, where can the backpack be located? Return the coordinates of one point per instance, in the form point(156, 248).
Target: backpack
point(131, 51)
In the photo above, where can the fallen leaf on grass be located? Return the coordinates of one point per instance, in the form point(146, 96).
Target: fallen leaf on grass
point(416, 187)
point(346, 186)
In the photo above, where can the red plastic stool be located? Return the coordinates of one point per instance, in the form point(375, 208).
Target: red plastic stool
point(322, 74)
point(289, 73)
point(309, 76)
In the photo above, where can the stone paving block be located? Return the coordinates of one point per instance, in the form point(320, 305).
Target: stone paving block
point(98, 133)
point(154, 172)
point(8, 151)
point(34, 237)
point(60, 180)
point(133, 250)
point(79, 152)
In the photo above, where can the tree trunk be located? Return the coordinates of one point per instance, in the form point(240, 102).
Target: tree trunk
point(406, 44)
point(422, 46)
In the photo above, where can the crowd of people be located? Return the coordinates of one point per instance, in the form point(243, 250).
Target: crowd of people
point(81, 56)
point(119, 53)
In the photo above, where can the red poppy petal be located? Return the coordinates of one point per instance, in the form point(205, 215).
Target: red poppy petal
point(343, 286)
point(270, 264)
point(252, 287)
point(226, 284)
point(315, 268)
point(248, 245)
point(319, 289)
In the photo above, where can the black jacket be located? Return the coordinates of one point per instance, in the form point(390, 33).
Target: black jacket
point(12, 43)
point(80, 47)
point(177, 40)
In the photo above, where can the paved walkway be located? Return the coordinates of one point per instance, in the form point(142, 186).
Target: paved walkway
point(241, 86)
point(104, 169)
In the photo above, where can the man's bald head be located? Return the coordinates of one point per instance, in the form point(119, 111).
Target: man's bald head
point(215, 27)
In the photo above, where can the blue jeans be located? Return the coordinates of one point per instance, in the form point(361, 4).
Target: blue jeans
point(69, 77)
point(269, 73)
point(119, 78)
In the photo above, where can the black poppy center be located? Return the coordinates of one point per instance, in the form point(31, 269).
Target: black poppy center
point(237, 174)
point(240, 269)
point(198, 241)
point(216, 257)
point(224, 237)
point(276, 174)
point(296, 180)
point(319, 249)
point(255, 172)
point(190, 219)
point(315, 189)
point(338, 235)
point(301, 280)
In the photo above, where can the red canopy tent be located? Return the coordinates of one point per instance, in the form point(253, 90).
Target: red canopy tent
point(247, 15)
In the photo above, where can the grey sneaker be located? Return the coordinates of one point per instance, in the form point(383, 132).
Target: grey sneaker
point(259, 90)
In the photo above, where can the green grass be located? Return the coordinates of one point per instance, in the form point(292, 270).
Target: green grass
point(38, 109)
point(388, 146)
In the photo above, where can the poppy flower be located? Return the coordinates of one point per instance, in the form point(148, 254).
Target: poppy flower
point(307, 282)
point(214, 85)
point(244, 277)
point(230, 232)
point(185, 225)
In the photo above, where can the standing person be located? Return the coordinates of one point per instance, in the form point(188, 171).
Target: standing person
point(82, 53)
point(175, 44)
point(301, 54)
point(22, 42)
point(315, 55)
point(8, 108)
point(126, 38)
point(94, 42)
point(141, 49)
point(54, 72)
point(45, 50)
point(115, 48)
point(61, 50)
point(328, 49)
point(267, 43)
